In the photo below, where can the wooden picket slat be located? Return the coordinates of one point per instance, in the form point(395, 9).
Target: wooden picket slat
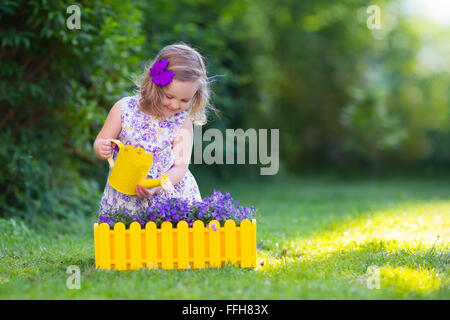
point(246, 241)
point(230, 241)
point(135, 246)
point(119, 245)
point(96, 245)
point(104, 250)
point(182, 245)
point(253, 245)
point(199, 244)
point(166, 245)
point(214, 244)
point(151, 247)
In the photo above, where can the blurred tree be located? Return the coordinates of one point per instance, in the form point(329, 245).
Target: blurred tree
point(340, 92)
point(53, 81)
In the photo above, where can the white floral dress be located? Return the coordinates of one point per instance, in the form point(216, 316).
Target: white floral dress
point(140, 129)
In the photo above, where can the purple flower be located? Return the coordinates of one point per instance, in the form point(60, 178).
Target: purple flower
point(105, 219)
point(164, 78)
point(158, 67)
point(218, 206)
point(160, 76)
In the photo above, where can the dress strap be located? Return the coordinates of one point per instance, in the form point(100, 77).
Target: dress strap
point(126, 107)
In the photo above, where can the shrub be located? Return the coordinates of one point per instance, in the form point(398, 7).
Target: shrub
point(55, 85)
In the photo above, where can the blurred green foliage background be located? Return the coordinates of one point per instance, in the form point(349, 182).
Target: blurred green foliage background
point(343, 96)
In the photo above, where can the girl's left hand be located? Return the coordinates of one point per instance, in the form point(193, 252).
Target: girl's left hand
point(142, 192)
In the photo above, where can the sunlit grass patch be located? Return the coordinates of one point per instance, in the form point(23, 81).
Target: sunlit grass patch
point(405, 243)
point(408, 279)
point(410, 226)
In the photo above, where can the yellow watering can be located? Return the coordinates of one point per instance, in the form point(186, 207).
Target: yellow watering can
point(131, 168)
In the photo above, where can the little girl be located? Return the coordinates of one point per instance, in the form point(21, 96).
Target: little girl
point(173, 94)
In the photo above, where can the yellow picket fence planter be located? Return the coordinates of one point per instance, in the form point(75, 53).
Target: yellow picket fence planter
point(175, 248)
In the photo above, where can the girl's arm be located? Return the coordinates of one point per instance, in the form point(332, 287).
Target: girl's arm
point(182, 150)
point(111, 130)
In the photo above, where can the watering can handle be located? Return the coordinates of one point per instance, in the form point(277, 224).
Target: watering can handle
point(110, 159)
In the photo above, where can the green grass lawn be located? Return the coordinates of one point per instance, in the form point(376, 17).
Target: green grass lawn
point(318, 238)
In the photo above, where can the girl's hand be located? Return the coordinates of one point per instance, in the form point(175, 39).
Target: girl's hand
point(142, 192)
point(105, 149)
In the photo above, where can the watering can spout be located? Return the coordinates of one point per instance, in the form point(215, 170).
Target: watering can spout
point(151, 183)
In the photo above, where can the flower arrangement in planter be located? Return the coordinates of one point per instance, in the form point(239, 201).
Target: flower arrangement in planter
point(171, 234)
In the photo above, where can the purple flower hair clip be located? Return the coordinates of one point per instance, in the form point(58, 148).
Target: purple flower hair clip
point(160, 76)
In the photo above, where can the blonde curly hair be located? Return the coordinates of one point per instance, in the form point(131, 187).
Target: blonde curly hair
point(187, 64)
